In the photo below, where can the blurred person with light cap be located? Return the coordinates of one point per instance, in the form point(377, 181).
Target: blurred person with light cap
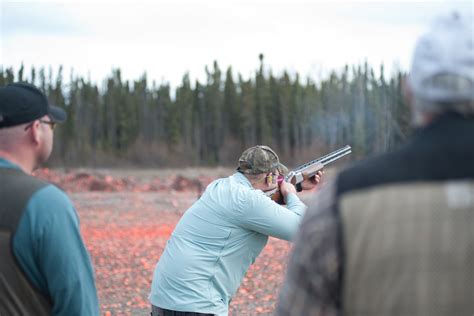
point(393, 234)
point(222, 233)
point(45, 268)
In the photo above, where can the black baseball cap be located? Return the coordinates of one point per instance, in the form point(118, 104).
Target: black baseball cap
point(22, 103)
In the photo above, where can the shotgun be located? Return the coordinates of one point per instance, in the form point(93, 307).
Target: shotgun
point(309, 170)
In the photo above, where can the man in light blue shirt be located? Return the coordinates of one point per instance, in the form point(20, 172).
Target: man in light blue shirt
point(220, 236)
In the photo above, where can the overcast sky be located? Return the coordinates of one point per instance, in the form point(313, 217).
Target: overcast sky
point(168, 38)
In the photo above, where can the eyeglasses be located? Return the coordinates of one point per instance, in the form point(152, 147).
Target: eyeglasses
point(50, 123)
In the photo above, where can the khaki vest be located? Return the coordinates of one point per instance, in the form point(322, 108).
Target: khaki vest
point(409, 249)
point(17, 295)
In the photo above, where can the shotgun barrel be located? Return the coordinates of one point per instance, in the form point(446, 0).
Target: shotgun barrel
point(310, 169)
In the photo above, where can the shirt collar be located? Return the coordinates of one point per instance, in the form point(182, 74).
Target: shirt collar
point(8, 164)
point(240, 178)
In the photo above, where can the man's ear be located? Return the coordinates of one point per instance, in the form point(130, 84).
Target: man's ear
point(36, 132)
point(418, 118)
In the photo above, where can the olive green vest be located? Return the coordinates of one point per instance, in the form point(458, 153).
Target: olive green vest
point(17, 295)
point(409, 249)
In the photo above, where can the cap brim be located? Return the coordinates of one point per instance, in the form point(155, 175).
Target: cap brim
point(57, 114)
point(282, 169)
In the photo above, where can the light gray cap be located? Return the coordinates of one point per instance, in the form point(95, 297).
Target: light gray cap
point(442, 68)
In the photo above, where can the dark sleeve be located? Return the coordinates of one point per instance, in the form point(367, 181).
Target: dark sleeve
point(313, 281)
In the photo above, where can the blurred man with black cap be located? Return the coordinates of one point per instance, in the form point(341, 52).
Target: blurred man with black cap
point(394, 234)
point(45, 268)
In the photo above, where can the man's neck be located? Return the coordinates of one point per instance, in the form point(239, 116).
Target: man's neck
point(261, 184)
point(24, 163)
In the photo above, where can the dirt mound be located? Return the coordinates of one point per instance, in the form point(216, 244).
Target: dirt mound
point(80, 181)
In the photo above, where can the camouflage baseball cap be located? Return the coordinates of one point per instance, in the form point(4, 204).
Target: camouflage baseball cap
point(260, 159)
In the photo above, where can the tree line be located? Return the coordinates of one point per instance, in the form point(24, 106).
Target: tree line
point(210, 123)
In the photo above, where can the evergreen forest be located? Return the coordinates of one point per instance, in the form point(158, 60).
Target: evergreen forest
point(141, 123)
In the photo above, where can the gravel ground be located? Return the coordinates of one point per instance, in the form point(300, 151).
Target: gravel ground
point(126, 218)
point(126, 233)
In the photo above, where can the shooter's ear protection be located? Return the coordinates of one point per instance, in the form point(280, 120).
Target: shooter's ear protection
point(271, 178)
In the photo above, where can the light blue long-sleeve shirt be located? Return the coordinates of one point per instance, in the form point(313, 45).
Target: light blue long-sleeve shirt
point(216, 241)
point(49, 248)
